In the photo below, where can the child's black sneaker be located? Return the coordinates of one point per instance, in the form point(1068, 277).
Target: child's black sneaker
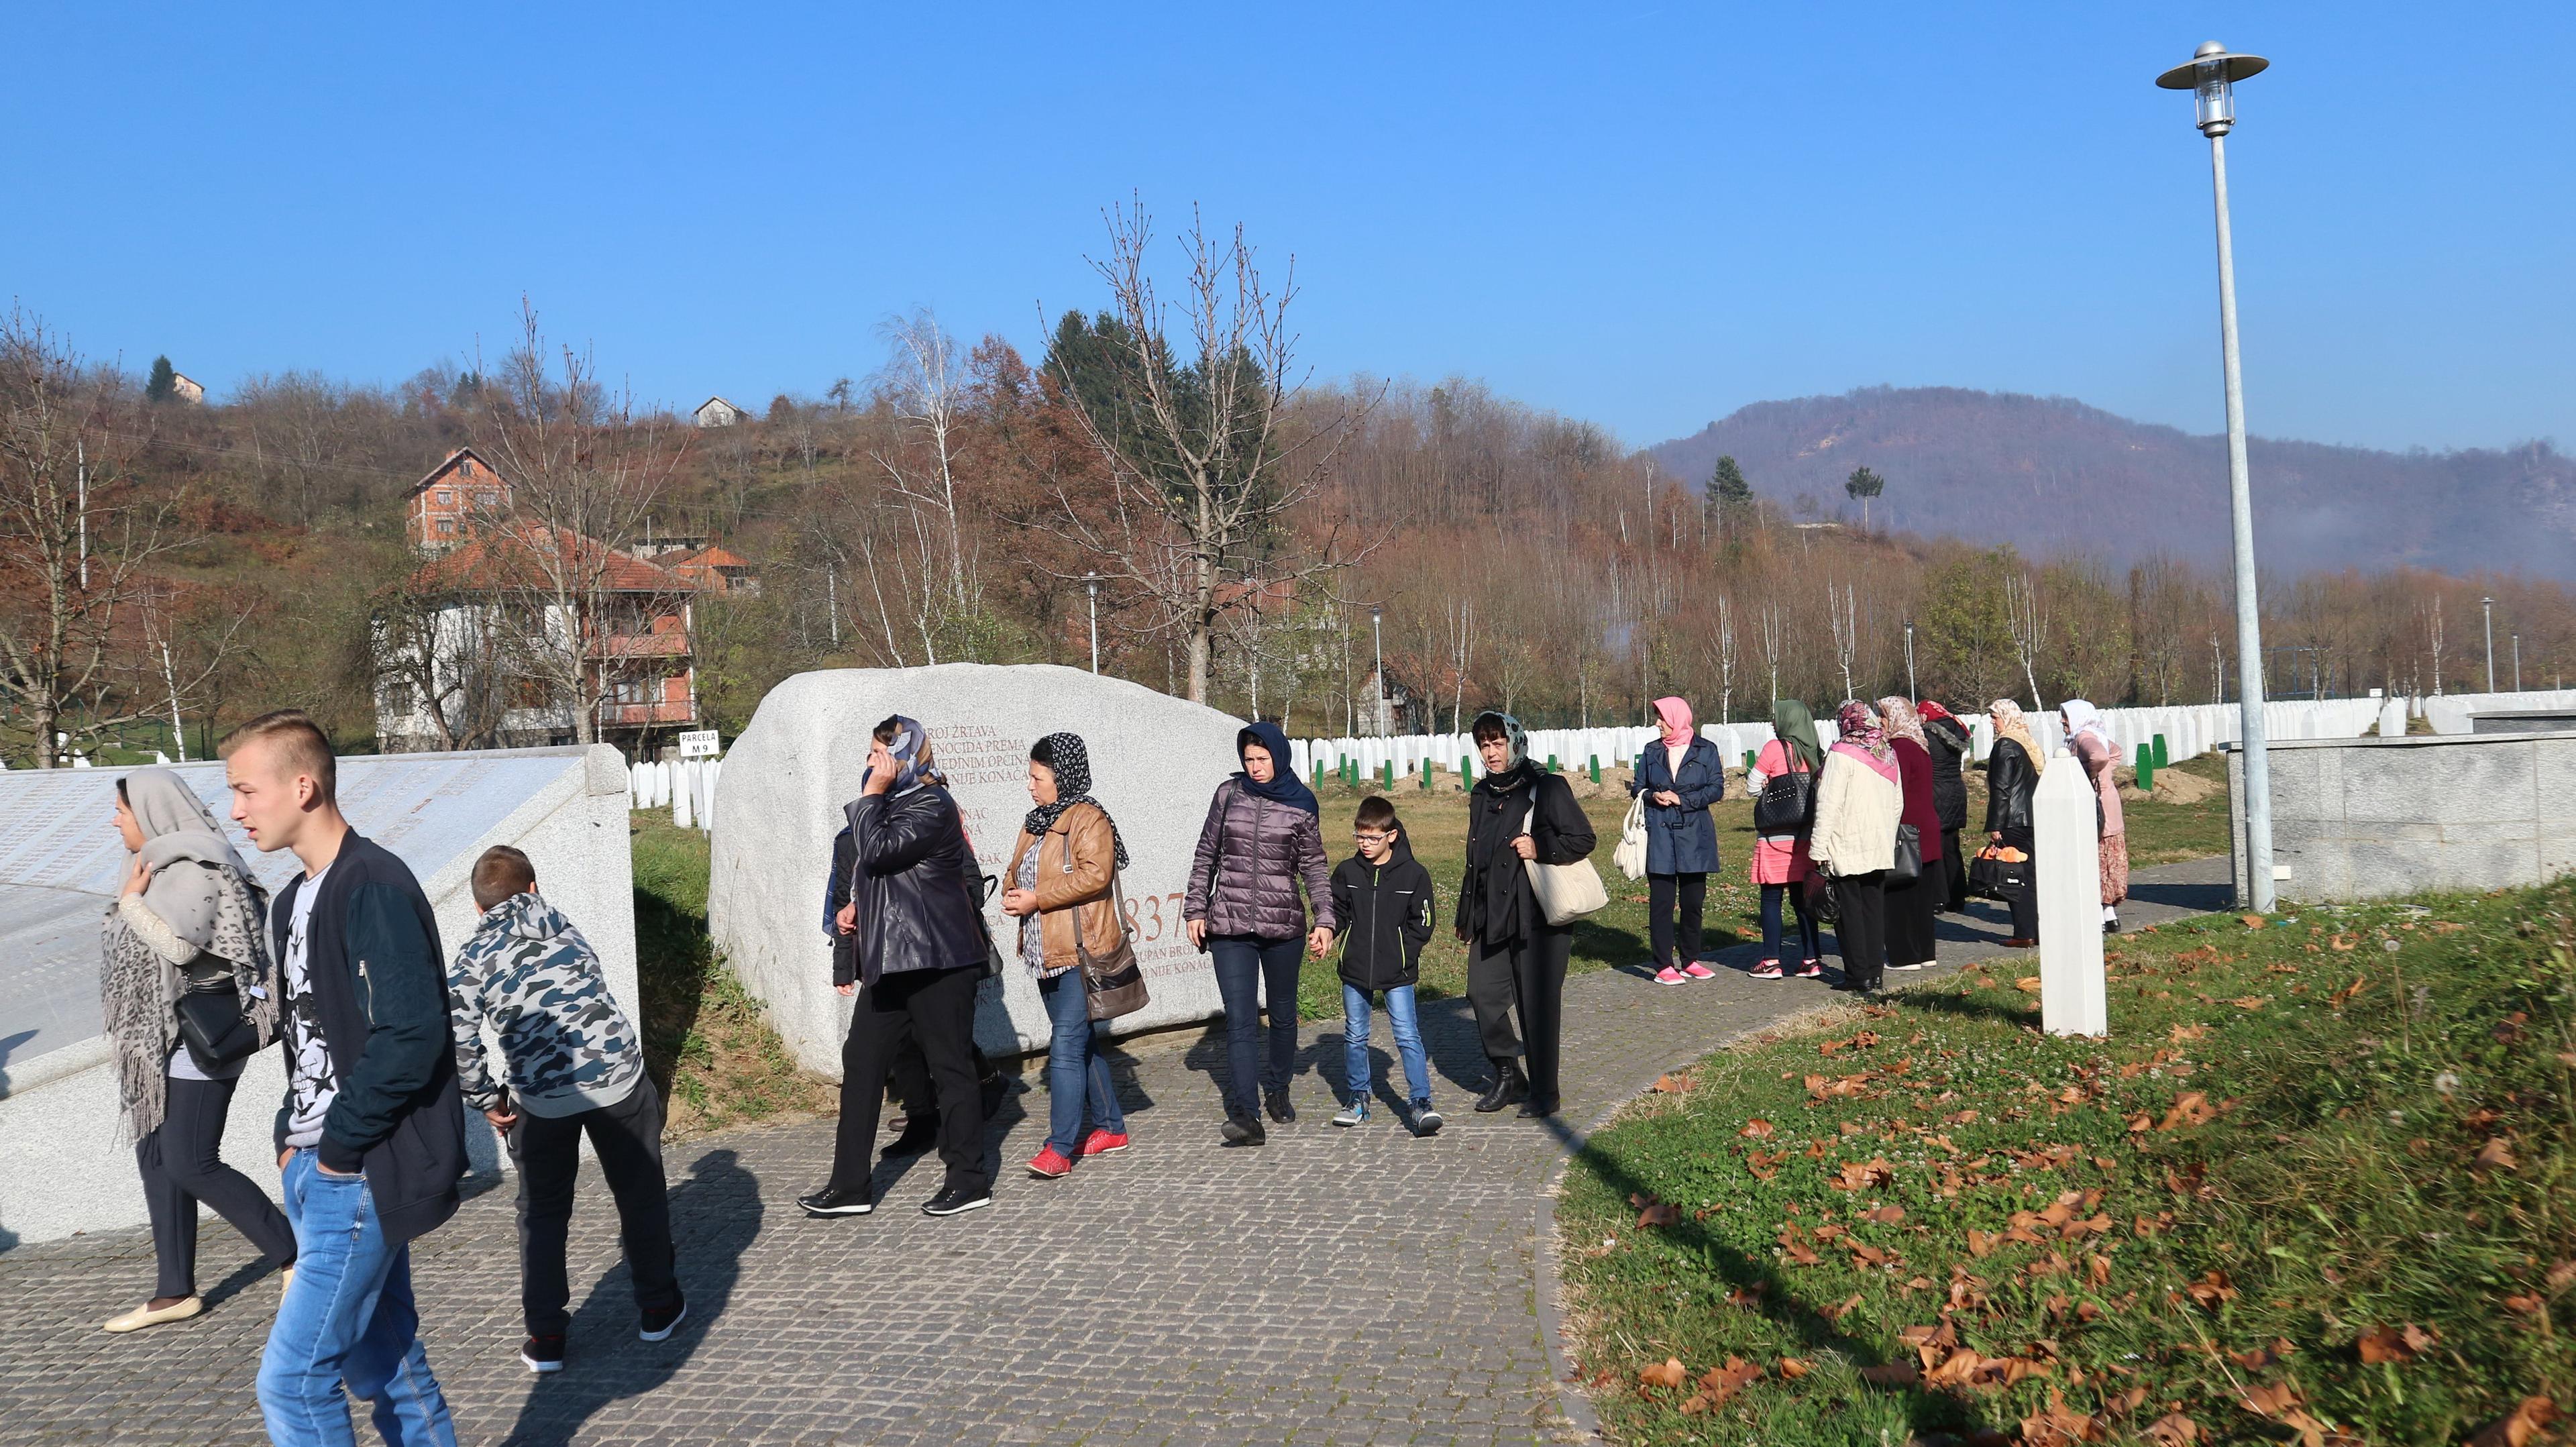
point(1426, 1121)
point(543, 1354)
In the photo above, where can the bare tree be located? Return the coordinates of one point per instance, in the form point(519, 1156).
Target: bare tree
point(1724, 644)
point(2433, 629)
point(83, 609)
point(1204, 466)
point(585, 468)
point(924, 383)
point(1461, 638)
point(1846, 625)
point(2026, 614)
point(1775, 632)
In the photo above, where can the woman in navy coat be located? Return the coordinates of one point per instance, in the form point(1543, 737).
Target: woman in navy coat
point(1680, 777)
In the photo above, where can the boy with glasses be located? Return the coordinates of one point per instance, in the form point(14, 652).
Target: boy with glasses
point(1382, 903)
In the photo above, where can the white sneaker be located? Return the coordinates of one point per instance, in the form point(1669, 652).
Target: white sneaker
point(1918, 964)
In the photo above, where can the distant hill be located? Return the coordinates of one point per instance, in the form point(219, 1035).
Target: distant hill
point(2053, 476)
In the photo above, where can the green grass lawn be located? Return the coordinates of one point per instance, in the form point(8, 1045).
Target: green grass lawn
point(2314, 1187)
point(705, 1039)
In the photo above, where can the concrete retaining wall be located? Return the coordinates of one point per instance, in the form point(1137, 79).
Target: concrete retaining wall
point(2374, 817)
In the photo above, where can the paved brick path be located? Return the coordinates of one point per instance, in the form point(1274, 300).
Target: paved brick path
point(1334, 1286)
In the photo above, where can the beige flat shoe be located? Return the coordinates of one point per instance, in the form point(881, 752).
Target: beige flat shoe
point(144, 1315)
point(285, 1283)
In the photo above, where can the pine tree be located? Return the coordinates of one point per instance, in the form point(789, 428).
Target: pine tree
point(1864, 484)
point(1727, 486)
point(163, 384)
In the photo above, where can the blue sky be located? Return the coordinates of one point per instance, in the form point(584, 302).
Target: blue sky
point(1643, 214)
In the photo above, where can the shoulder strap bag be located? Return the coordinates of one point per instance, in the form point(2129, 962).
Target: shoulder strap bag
point(1631, 853)
point(1787, 804)
point(1112, 984)
point(1908, 865)
point(1565, 892)
point(211, 1023)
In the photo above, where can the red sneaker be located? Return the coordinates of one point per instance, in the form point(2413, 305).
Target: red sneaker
point(1050, 1166)
point(1102, 1142)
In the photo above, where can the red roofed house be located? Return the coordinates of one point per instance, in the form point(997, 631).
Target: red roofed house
point(492, 628)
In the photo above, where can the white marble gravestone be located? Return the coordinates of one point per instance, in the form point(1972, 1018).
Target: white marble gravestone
point(63, 1164)
point(2073, 999)
point(1155, 762)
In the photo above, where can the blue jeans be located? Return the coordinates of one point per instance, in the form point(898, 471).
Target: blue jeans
point(1076, 1073)
point(1408, 1041)
point(348, 1318)
point(1247, 969)
point(1796, 894)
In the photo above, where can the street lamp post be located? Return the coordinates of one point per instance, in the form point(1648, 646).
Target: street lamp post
point(1377, 638)
point(1091, 589)
point(2486, 606)
point(2211, 76)
point(2517, 664)
point(1909, 660)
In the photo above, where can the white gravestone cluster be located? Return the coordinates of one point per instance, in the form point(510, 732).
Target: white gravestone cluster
point(1155, 763)
point(64, 1165)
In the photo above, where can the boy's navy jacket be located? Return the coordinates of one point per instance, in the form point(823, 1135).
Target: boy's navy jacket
point(1385, 914)
point(380, 989)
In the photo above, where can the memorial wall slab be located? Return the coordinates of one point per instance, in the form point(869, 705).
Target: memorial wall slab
point(1155, 763)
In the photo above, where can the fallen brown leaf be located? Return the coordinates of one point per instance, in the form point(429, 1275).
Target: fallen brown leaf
point(2520, 1426)
point(1897, 1374)
point(1791, 1368)
point(2531, 1304)
point(1846, 1307)
point(1754, 1129)
point(1668, 1375)
point(2173, 1430)
point(2394, 1344)
point(2189, 1108)
point(1720, 1383)
point(2250, 921)
point(1669, 1084)
point(2212, 1289)
point(2494, 1156)
point(2028, 984)
point(1885, 1215)
point(1659, 1214)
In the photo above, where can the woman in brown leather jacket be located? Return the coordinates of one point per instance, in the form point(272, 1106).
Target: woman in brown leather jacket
point(1059, 889)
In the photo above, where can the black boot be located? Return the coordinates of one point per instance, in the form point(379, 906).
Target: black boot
point(1275, 1100)
point(1508, 1087)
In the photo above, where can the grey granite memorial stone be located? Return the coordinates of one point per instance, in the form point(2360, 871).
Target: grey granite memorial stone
point(1155, 762)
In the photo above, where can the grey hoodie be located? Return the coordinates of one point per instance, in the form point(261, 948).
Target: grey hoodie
point(567, 1045)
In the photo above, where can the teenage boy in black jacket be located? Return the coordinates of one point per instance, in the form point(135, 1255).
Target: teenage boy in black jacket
point(1382, 900)
point(371, 1140)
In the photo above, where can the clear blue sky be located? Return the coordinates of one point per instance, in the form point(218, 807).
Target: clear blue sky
point(1647, 215)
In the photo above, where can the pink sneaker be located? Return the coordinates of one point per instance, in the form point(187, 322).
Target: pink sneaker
point(1698, 971)
point(1811, 970)
point(1102, 1142)
point(1670, 976)
point(1767, 970)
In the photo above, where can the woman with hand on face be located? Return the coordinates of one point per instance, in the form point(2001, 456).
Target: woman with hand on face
point(188, 922)
point(1262, 838)
point(1059, 890)
point(1516, 960)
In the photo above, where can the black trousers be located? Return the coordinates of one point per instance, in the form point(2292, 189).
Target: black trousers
point(1663, 891)
point(1954, 872)
point(910, 1077)
point(1862, 931)
point(1911, 911)
point(936, 1008)
point(1526, 977)
point(182, 1164)
point(627, 1138)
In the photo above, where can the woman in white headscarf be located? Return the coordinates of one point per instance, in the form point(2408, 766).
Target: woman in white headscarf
point(2088, 734)
point(184, 937)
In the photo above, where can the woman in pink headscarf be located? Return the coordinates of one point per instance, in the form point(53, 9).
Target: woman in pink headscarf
point(1680, 775)
point(1860, 799)
point(2088, 736)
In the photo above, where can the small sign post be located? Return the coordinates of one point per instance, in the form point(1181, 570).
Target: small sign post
point(698, 744)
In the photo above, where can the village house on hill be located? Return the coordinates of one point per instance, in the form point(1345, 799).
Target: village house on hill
point(488, 629)
point(717, 412)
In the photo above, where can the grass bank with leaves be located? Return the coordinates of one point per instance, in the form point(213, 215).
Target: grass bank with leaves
point(706, 1041)
point(2316, 1186)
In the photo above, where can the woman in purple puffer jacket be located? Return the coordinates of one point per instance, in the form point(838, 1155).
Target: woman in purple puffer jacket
point(1263, 835)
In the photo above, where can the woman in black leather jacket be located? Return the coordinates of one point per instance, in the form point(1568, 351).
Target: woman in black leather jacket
point(1947, 739)
point(2012, 778)
point(916, 907)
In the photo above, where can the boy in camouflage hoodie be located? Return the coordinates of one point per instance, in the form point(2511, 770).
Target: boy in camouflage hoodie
point(576, 1066)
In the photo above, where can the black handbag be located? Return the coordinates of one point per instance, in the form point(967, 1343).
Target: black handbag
point(1993, 878)
point(1787, 804)
point(1908, 866)
point(1824, 906)
point(213, 1027)
point(1114, 983)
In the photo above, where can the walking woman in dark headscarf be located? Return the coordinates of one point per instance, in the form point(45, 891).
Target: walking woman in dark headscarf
point(1783, 785)
point(1263, 836)
point(187, 926)
point(1516, 960)
point(1058, 888)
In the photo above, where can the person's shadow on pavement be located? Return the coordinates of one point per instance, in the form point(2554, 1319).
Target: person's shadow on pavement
point(715, 1216)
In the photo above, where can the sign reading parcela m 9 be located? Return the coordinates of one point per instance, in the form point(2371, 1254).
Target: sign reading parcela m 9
point(1155, 762)
point(64, 1164)
point(698, 744)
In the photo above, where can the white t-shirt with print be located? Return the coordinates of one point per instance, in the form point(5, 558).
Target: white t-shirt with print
point(311, 1083)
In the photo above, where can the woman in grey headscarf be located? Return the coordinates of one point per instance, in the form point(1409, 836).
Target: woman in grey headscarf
point(187, 922)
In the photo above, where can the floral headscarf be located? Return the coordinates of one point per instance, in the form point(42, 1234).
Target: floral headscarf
point(1070, 759)
point(2010, 724)
point(1901, 720)
point(911, 749)
point(1515, 737)
point(1859, 726)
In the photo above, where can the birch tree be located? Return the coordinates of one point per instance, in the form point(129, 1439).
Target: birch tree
point(2026, 615)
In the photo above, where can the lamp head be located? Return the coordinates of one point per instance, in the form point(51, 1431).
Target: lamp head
point(2211, 77)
